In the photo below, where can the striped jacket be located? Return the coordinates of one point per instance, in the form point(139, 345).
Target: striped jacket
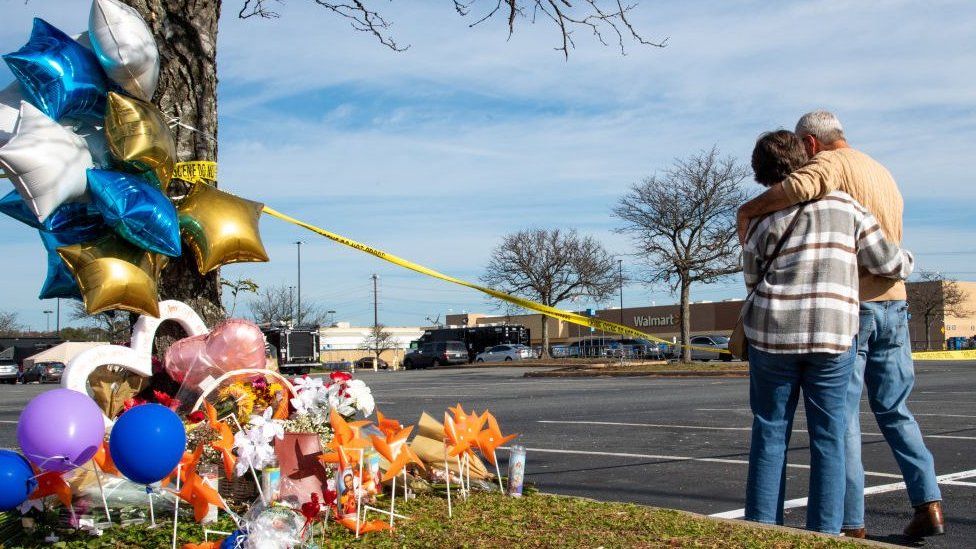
point(808, 301)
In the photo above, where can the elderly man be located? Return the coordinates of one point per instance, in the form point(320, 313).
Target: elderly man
point(884, 360)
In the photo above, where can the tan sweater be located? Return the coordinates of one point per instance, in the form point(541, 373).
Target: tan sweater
point(870, 183)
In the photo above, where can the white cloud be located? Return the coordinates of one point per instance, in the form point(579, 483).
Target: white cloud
point(435, 152)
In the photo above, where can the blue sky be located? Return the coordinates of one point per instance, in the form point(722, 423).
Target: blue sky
point(436, 152)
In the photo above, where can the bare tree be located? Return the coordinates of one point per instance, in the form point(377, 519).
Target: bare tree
point(551, 266)
point(114, 326)
point(10, 326)
point(277, 304)
point(379, 340)
point(933, 296)
point(683, 224)
point(606, 21)
point(186, 34)
point(245, 285)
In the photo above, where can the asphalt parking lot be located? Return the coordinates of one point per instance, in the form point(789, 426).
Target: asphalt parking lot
point(674, 442)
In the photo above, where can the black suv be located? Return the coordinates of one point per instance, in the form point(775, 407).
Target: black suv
point(436, 353)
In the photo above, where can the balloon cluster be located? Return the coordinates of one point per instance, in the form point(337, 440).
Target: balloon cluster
point(91, 161)
point(62, 429)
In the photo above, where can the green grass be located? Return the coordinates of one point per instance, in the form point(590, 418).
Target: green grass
point(490, 521)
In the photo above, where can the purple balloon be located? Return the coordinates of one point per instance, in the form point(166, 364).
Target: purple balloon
point(60, 430)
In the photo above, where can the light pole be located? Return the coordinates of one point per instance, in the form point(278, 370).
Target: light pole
point(299, 315)
point(47, 316)
point(291, 304)
point(620, 272)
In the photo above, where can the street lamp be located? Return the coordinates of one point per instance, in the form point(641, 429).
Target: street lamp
point(299, 315)
point(291, 304)
point(620, 272)
point(47, 315)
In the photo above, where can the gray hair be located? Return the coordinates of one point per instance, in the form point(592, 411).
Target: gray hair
point(823, 125)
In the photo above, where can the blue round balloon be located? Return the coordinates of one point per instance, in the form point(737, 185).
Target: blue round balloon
point(58, 75)
point(136, 210)
point(147, 443)
point(16, 480)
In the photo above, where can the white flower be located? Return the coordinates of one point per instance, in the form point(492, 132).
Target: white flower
point(266, 427)
point(361, 396)
point(253, 451)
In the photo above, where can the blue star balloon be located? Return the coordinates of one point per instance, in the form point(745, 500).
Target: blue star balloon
point(70, 224)
point(13, 205)
point(136, 210)
point(58, 75)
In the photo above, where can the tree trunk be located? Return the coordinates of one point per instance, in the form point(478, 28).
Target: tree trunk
point(186, 35)
point(545, 336)
point(928, 333)
point(685, 320)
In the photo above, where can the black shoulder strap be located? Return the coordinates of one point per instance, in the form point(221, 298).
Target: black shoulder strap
point(778, 248)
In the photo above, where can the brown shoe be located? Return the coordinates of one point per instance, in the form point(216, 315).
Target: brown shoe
point(859, 533)
point(928, 521)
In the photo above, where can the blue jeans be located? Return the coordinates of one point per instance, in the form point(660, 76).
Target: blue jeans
point(884, 365)
point(775, 381)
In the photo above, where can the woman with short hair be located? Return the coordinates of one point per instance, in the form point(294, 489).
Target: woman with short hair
point(801, 319)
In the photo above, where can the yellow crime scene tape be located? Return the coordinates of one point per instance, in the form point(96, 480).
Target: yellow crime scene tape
point(193, 176)
point(968, 354)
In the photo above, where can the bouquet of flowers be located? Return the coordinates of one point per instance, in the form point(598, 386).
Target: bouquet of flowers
point(253, 396)
point(342, 393)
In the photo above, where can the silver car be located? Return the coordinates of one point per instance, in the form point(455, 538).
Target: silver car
point(504, 353)
point(8, 373)
point(717, 342)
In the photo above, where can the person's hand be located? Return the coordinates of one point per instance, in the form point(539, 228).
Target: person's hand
point(742, 225)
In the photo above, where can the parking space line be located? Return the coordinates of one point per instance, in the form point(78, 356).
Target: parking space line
point(657, 425)
point(862, 413)
point(710, 428)
point(958, 483)
point(678, 458)
point(7, 421)
point(882, 489)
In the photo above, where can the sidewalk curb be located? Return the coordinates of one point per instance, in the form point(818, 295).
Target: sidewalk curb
point(758, 525)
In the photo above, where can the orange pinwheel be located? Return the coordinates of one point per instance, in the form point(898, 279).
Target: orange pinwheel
point(463, 435)
point(365, 527)
point(459, 413)
point(388, 426)
point(225, 443)
point(103, 459)
point(491, 438)
point(346, 442)
point(188, 464)
point(200, 496)
point(52, 484)
point(405, 457)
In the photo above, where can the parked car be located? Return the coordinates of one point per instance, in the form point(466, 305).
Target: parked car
point(338, 366)
point(367, 362)
point(436, 353)
point(44, 372)
point(8, 373)
point(505, 353)
point(718, 342)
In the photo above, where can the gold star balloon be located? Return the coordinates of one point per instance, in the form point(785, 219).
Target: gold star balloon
point(139, 138)
point(114, 274)
point(220, 228)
